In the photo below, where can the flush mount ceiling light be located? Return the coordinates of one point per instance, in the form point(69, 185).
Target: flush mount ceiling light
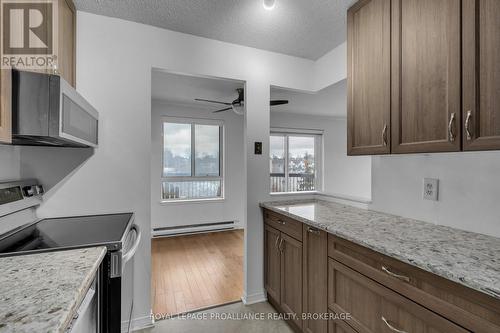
point(269, 4)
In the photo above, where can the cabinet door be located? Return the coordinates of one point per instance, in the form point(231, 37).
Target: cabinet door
point(375, 309)
point(426, 93)
point(5, 106)
point(66, 39)
point(272, 271)
point(481, 74)
point(315, 279)
point(291, 277)
point(368, 78)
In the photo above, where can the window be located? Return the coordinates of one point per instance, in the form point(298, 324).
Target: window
point(295, 162)
point(192, 159)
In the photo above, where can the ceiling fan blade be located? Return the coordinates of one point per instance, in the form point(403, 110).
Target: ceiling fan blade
point(278, 102)
point(222, 110)
point(210, 101)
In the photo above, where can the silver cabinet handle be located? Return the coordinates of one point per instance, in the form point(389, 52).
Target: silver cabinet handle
point(281, 243)
point(384, 135)
point(397, 276)
point(451, 127)
point(276, 242)
point(313, 230)
point(392, 328)
point(467, 126)
point(281, 222)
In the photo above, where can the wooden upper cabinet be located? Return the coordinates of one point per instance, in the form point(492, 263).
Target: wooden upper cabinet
point(368, 77)
point(5, 107)
point(481, 74)
point(66, 62)
point(272, 259)
point(426, 93)
point(67, 41)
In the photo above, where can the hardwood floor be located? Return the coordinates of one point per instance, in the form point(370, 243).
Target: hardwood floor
point(196, 271)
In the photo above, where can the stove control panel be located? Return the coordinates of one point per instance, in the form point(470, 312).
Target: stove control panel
point(19, 190)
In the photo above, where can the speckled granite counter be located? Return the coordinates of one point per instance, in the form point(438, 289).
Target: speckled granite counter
point(467, 258)
point(41, 292)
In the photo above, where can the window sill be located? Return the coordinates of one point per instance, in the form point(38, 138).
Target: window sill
point(192, 201)
point(276, 194)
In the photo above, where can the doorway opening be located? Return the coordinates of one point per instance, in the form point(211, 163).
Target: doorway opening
point(197, 198)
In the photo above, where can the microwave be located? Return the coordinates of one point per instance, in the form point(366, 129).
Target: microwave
point(48, 111)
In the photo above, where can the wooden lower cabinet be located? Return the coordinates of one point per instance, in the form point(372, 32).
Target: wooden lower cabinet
point(367, 292)
point(291, 277)
point(272, 262)
point(475, 311)
point(375, 308)
point(283, 273)
point(339, 326)
point(315, 279)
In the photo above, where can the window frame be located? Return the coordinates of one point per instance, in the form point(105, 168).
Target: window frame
point(318, 156)
point(193, 122)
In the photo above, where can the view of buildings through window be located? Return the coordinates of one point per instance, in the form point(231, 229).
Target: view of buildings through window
point(191, 160)
point(293, 162)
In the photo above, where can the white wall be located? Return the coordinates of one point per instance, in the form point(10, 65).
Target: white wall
point(10, 162)
point(114, 62)
point(469, 189)
point(342, 175)
point(178, 214)
point(331, 68)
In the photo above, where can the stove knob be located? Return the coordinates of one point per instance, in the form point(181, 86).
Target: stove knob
point(28, 191)
point(39, 189)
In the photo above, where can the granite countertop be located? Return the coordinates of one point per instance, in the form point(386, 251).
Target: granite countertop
point(468, 258)
point(41, 292)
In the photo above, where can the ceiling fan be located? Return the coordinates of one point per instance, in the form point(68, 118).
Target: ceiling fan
point(238, 102)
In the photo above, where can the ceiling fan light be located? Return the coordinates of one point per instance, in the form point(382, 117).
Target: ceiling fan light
point(269, 4)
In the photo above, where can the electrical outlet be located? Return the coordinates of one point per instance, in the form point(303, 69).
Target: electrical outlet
point(431, 188)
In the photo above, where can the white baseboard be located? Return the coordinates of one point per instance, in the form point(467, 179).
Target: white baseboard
point(138, 324)
point(195, 229)
point(254, 298)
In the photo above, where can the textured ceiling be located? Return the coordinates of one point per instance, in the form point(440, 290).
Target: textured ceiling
point(182, 89)
point(302, 28)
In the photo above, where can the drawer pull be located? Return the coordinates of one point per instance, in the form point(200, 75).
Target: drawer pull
point(392, 328)
point(276, 243)
point(397, 276)
point(313, 231)
point(281, 222)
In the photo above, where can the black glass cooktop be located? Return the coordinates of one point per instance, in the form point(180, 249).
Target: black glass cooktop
point(69, 232)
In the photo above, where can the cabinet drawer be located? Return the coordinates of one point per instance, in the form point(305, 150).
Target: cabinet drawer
point(375, 309)
point(338, 326)
point(469, 308)
point(284, 224)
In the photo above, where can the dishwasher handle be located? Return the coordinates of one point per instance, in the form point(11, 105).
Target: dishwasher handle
point(130, 253)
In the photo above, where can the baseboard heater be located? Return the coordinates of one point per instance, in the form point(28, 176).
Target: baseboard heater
point(193, 229)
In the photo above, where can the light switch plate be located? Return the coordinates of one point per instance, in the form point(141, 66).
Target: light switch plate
point(431, 189)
